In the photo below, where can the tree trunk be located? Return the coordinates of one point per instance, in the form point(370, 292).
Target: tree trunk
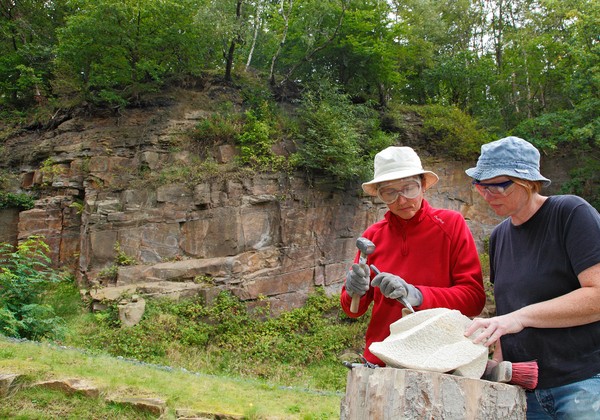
point(388, 393)
point(235, 39)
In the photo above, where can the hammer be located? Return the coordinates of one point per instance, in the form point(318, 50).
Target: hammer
point(366, 247)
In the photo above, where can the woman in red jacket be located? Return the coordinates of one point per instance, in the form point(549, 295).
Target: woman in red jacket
point(425, 255)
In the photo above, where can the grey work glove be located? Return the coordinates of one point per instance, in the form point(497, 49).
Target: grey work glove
point(357, 280)
point(395, 287)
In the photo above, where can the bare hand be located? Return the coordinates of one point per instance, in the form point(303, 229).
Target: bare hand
point(491, 329)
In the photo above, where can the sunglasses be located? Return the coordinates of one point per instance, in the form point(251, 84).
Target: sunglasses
point(492, 188)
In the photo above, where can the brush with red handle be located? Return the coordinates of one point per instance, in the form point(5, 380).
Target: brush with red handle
point(523, 374)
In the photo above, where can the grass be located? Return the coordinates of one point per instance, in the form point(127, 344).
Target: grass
point(250, 398)
point(37, 403)
point(222, 357)
point(300, 348)
point(218, 358)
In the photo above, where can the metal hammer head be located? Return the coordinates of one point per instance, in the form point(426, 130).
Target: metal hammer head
point(365, 246)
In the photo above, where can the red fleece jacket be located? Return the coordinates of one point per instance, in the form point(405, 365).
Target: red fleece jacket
point(433, 251)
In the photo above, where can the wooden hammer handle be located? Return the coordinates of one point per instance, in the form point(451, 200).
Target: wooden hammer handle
point(354, 304)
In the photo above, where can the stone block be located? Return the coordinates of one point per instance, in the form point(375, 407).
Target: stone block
point(132, 274)
point(179, 194)
point(226, 153)
point(111, 294)
point(263, 184)
point(102, 245)
point(71, 386)
point(9, 220)
point(9, 384)
point(250, 262)
point(260, 227)
point(138, 199)
point(276, 283)
point(152, 406)
point(295, 258)
point(217, 235)
point(335, 274)
point(177, 271)
point(151, 159)
point(389, 393)
point(131, 311)
point(202, 196)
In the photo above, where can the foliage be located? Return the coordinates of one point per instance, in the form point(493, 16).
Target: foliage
point(24, 278)
point(121, 259)
point(366, 56)
point(26, 59)
point(526, 67)
point(235, 340)
point(141, 44)
point(449, 131)
point(578, 127)
point(218, 128)
point(257, 138)
point(337, 137)
point(585, 181)
point(22, 201)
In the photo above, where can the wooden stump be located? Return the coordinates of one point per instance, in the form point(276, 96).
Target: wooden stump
point(389, 393)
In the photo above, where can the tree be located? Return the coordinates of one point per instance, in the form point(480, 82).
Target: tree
point(310, 26)
point(141, 43)
point(27, 30)
point(365, 55)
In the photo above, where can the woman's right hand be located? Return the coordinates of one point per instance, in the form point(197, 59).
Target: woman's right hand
point(493, 328)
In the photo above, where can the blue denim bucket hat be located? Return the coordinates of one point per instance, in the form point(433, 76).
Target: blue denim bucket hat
point(510, 156)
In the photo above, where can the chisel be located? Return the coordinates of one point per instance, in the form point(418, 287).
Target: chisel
point(402, 300)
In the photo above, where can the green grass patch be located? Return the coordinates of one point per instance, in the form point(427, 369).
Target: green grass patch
point(298, 348)
point(251, 398)
point(39, 403)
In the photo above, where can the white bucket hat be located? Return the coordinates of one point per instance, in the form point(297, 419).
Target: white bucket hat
point(397, 162)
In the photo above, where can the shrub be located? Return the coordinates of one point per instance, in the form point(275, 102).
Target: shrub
point(217, 129)
point(585, 181)
point(24, 277)
point(451, 132)
point(578, 127)
point(21, 201)
point(257, 139)
point(226, 337)
point(338, 138)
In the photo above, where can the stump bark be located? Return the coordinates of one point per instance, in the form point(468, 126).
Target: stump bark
point(389, 393)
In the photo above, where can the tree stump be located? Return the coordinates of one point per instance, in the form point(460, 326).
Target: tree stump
point(390, 393)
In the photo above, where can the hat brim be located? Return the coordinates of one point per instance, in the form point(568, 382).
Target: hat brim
point(481, 174)
point(371, 187)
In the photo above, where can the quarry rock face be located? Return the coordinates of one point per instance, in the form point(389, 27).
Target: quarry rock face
point(124, 204)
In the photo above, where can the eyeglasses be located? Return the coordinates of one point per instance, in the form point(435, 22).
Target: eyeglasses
point(492, 188)
point(388, 194)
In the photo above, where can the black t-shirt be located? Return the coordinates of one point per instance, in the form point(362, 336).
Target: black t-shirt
point(540, 260)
